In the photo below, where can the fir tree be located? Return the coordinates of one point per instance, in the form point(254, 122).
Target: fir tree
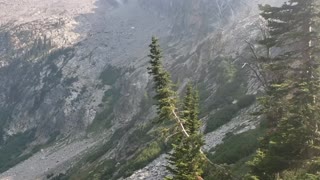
point(165, 96)
point(185, 163)
point(187, 158)
point(291, 105)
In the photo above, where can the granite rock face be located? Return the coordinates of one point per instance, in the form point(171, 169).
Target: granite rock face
point(59, 59)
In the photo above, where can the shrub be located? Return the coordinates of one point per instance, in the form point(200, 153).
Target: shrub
point(237, 147)
point(221, 117)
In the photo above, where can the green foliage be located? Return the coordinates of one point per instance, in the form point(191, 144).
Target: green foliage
point(237, 147)
point(190, 111)
point(212, 172)
point(149, 153)
point(109, 167)
point(165, 96)
point(185, 163)
point(221, 117)
point(96, 166)
point(144, 157)
point(10, 153)
point(290, 104)
point(140, 136)
point(231, 83)
point(303, 173)
point(103, 119)
point(226, 70)
point(229, 90)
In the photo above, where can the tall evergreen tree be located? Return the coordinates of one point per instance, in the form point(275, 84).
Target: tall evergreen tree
point(165, 96)
point(185, 163)
point(291, 103)
point(190, 110)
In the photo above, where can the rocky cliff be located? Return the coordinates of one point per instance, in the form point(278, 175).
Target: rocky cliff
point(75, 96)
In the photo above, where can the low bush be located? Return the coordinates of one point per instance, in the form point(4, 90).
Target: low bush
point(221, 117)
point(237, 147)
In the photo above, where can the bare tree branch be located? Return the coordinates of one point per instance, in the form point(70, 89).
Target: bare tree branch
point(257, 70)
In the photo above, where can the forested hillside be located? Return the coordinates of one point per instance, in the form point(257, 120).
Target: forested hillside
point(154, 89)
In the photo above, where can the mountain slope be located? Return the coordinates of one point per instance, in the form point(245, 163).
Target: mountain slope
point(74, 74)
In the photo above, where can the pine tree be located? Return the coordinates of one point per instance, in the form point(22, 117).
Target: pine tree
point(190, 111)
point(165, 96)
point(291, 105)
point(185, 163)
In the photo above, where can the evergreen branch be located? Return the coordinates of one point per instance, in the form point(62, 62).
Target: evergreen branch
point(167, 138)
point(187, 135)
point(183, 129)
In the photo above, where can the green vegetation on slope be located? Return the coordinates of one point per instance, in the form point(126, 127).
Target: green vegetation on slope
point(11, 152)
point(225, 114)
point(103, 119)
point(290, 103)
point(237, 149)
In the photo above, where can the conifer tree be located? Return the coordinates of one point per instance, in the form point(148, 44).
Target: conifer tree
point(165, 96)
point(190, 110)
point(291, 103)
point(185, 163)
